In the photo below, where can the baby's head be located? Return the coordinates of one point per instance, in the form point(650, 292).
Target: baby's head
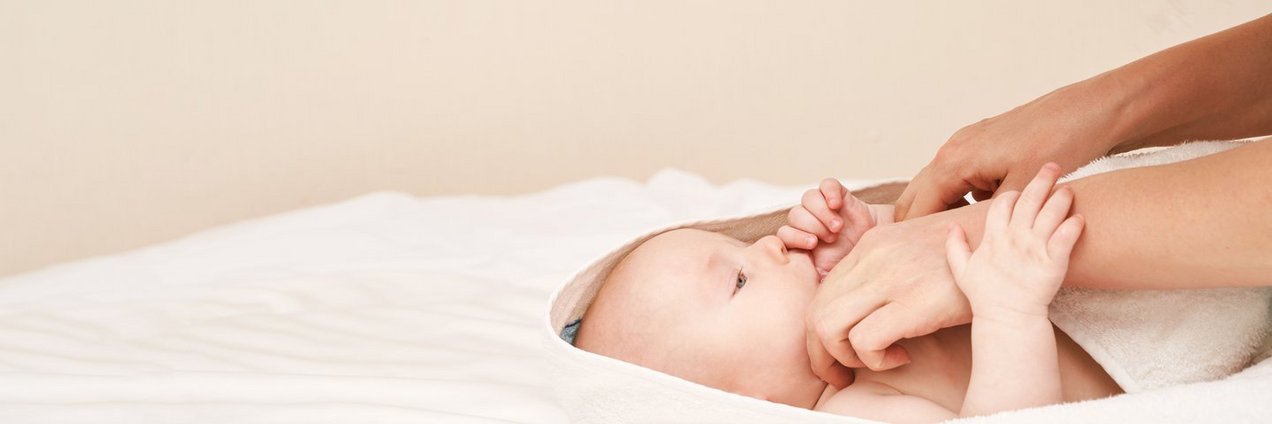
point(713, 310)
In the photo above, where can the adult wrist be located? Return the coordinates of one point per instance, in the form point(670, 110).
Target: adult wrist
point(1119, 97)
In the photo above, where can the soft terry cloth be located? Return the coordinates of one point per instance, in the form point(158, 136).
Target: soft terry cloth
point(1147, 339)
point(593, 388)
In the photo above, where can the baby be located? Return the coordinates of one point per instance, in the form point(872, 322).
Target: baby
point(727, 314)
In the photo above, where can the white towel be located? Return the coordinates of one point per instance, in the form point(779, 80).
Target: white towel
point(1147, 339)
point(598, 389)
point(594, 388)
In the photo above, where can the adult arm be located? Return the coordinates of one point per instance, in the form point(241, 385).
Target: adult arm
point(1213, 88)
point(1205, 222)
point(1194, 224)
point(1217, 87)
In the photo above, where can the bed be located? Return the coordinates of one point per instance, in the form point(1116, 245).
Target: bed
point(381, 308)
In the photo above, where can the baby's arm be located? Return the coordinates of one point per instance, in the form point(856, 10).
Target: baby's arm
point(1009, 281)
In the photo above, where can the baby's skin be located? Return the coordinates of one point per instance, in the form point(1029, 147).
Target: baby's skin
point(729, 314)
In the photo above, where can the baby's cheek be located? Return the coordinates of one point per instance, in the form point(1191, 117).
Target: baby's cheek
point(786, 326)
point(776, 313)
point(790, 349)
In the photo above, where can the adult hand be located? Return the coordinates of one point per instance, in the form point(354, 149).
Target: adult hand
point(1070, 126)
point(894, 284)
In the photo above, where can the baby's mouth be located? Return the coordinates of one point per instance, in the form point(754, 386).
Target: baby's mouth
point(807, 257)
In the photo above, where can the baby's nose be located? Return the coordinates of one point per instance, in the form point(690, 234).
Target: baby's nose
point(774, 247)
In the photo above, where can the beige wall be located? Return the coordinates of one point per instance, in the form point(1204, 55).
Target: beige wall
point(126, 122)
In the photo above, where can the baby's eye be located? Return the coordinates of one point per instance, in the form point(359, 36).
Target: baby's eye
point(741, 282)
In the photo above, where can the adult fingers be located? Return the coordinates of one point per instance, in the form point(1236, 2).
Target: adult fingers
point(802, 219)
point(929, 192)
point(1053, 212)
point(875, 336)
point(831, 324)
point(797, 239)
point(1013, 181)
point(1038, 190)
point(826, 367)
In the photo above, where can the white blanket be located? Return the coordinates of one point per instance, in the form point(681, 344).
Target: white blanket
point(382, 308)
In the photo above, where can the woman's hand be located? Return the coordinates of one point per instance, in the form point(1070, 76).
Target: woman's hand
point(1023, 255)
point(895, 284)
point(1070, 126)
point(834, 216)
point(1211, 88)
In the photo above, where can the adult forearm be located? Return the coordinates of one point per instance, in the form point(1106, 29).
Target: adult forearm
point(1217, 87)
point(1200, 223)
point(1205, 222)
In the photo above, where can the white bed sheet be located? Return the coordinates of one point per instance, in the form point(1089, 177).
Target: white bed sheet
point(382, 308)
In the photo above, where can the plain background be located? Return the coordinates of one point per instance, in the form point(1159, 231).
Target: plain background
point(125, 123)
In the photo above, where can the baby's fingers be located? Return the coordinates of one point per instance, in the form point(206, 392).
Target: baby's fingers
point(999, 214)
point(957, 252)
point(1054, 212)
point(1034, 194)
point(1061, 243)
point(805, 220)
point(817, 204)
point(796, 239)
point(833, 192)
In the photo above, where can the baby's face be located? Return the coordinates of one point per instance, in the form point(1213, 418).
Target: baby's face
point(711, 309)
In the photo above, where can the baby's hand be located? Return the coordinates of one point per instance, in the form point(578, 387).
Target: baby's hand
point(833, 215)
point(1024, 254)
